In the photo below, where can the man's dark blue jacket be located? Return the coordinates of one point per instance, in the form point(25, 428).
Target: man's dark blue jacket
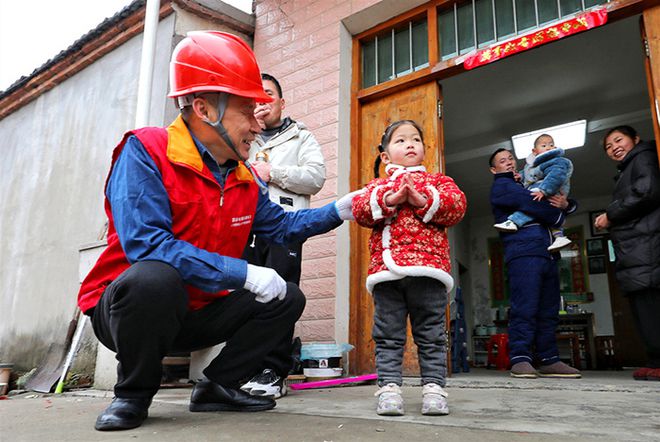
point(533, 239)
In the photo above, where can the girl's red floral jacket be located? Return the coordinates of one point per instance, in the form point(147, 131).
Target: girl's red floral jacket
point(409, 241)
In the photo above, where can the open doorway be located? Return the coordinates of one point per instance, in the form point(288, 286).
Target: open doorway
point(598, 76)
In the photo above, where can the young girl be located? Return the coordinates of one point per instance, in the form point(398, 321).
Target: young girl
point(409, 212)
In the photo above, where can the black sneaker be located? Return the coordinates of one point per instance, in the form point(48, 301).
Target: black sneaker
point(266, 383)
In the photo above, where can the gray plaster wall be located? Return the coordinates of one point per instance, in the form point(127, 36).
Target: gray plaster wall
point(459, 240)
point(56, 153)
point(481, 228)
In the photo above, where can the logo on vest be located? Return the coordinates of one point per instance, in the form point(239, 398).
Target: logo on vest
point(238, 221)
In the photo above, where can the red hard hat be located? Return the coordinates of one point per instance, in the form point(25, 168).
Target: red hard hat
point(212, 61)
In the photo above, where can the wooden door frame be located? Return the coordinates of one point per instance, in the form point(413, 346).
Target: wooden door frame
point(651, 37)
point(436, 71)
point(441, 69)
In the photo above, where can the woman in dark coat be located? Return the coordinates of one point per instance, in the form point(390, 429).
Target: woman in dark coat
point(633, 220)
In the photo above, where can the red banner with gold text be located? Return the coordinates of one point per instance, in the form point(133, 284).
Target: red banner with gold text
point(575, 25)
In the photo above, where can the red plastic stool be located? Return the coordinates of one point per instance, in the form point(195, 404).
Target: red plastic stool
point(498, 351)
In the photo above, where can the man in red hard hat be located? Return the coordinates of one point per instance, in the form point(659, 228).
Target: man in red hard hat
point(181, 202)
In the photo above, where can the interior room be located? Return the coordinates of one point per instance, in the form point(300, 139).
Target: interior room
point(598, 76)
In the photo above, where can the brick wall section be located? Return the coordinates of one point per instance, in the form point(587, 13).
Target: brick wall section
point(318, 330)
point(297, 41)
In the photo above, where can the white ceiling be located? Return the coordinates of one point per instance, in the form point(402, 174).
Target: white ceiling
point(597, 75)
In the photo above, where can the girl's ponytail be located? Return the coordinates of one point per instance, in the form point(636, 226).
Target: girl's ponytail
point(378, 161)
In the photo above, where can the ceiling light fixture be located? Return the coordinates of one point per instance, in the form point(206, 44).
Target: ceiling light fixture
point(566, 136)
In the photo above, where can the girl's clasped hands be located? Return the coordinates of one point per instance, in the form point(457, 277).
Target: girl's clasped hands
point(406, 193)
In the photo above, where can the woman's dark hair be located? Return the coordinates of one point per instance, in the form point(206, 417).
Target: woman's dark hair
point(387, 137)
point(624, 129)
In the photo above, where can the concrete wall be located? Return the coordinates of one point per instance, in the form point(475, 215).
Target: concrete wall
point(56, 153)
point(186, 21)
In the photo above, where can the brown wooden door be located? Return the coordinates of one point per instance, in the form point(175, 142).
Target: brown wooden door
point(419, 103)
point(651, 41)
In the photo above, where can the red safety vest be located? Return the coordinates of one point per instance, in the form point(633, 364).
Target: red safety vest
point(204, 214)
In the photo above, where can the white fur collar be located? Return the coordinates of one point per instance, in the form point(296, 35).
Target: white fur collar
point(394, 170)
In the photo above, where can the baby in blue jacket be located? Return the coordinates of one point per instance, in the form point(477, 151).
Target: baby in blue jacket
point(546, 173)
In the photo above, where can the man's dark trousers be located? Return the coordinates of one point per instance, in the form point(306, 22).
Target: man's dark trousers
point(644, 304)
point(284, 259)
point(533, 319)
point(143, 315)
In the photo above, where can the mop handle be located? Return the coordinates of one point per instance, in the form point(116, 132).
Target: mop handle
point(333, 382)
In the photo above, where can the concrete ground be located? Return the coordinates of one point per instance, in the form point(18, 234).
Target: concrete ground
point(486, 405)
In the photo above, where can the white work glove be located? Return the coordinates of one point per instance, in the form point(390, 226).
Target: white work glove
point(265, 283)
point(344, 205)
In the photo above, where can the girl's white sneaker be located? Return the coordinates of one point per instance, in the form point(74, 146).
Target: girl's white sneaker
point(390, 402)
point(434, 401)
